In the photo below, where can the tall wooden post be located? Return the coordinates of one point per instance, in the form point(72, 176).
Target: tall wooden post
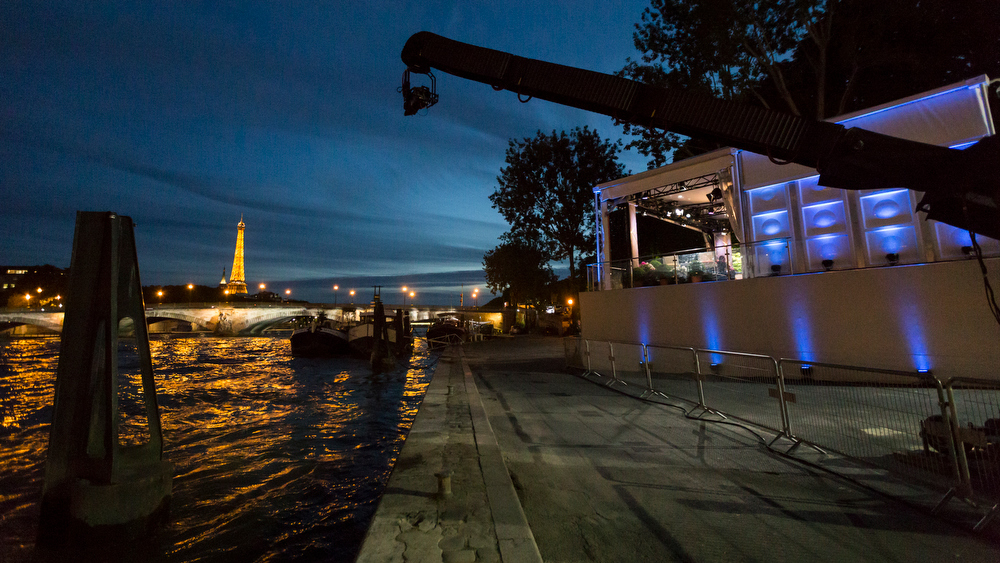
point(95, 485)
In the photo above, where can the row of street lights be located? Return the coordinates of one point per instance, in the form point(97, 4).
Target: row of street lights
point(28, 297)
point(288, 292)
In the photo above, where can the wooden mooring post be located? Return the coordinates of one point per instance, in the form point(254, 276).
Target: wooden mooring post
point(103, 479)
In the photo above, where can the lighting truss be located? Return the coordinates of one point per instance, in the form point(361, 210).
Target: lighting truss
point(706, 181)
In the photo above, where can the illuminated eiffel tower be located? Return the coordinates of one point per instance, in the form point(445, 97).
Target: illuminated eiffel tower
point(237, 278)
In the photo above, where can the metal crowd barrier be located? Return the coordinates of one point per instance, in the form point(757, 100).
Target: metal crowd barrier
point(743, 386)
point(974, 406)
point(889, 419)
point(672, 372)
point(573, 350)
point(906, 423)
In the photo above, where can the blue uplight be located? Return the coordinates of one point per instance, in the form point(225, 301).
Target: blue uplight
point(710, 323)
point(802, 333)
point(912, 328)
point(642, 317)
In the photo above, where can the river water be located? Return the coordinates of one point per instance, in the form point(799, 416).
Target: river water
point(276, 458)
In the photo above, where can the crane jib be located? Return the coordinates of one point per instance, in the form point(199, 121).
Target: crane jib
point(962, 187)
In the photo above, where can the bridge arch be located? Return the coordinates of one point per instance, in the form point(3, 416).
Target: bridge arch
point(178, 316)
point(48, 321)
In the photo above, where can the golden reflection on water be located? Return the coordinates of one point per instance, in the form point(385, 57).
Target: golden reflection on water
point(274, 456)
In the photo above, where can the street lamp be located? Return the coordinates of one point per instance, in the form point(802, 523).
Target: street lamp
point(160, 295)
point(475, 297)
point(352, 297)
point(190, 287)
point(27, 300)
point(336, 288)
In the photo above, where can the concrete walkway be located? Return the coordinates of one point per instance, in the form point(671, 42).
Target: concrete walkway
point(548, 466)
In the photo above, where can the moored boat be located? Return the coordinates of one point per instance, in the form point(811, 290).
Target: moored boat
point(381, 337)
point(444, 331)
point(397, 334)
point(323, 337)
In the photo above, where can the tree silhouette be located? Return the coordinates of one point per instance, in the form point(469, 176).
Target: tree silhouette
point(814, 58)
point(546, 193)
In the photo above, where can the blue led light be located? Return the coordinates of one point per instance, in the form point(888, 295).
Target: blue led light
point(890, 244)
point(761, 216)
point(824, 219)
point(710, 323)
point(885, 193)
point(918, 100)
point(766, 194)
point(642, 317)
point(771, 227)
point(828, 251)
point(912, 327)
point(886, 209)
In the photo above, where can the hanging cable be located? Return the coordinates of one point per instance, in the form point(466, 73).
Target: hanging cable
point(991, 301)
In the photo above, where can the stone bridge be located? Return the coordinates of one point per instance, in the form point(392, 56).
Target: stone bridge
point(229, 319)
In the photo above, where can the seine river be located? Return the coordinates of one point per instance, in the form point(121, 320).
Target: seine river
point(276, 458)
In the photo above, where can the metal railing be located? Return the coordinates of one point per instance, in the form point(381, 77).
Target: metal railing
point(672, 373)
point(743, 386)
point(888, 419)
point(755, 259)
point(908, 424)
point(974, 406)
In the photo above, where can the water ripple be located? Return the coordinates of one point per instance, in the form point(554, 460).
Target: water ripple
point(276, 457)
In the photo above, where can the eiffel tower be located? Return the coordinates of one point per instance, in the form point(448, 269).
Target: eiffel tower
point(237, 279)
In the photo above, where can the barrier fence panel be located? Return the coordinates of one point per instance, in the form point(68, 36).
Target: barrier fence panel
point(673, 372)
point(905, 423)
point(601, 357)
point(629, 364)
point(975, 408)
point(573, 349)
point(887, 419)
point(744, 386)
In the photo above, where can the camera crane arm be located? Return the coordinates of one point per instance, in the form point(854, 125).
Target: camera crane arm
point(961, 187)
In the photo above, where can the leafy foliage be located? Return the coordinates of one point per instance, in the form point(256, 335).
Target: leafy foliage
point(720, 48)
point(815, 58)
point(546, 194)
point(519, 269)
point(878, 52)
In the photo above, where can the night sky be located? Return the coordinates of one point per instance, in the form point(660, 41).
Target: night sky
point(187, 115)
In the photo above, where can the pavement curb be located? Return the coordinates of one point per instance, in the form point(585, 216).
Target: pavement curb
point(517, 543)
point(480, 518)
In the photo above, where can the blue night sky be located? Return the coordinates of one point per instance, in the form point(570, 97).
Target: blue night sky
point(187, 115)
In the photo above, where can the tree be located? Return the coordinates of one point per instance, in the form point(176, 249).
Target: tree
point(815, 58)
point(719, 48)
point(519, 269)
point(890, 50)
point(546, 192)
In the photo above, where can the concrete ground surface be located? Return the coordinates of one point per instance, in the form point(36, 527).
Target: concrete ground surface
point(548, 466)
